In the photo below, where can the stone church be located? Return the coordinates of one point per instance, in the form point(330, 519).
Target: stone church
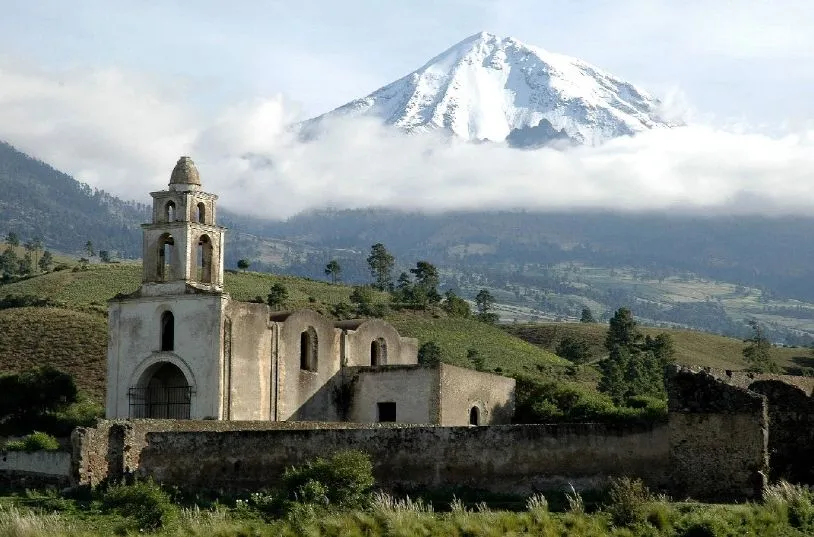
point(181, 348)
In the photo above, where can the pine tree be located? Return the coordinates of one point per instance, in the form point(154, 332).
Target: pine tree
point(334, 270)
point(622, 330)
point(277, 296)
point(757, 351)
point(587, 316)
point(381, 264)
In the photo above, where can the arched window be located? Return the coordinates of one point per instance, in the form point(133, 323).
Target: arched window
point(167, 331)
point(202, 213)
point(308, 349)
point(169, 211)
point(166, 257)
point(474, 416)
point(204, 259)
point(378, 352)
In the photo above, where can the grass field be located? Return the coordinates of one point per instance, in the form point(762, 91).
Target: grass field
point(692, 347)
point(100, 282)
point(72, 341)
point(455, 336)
point(74, 338)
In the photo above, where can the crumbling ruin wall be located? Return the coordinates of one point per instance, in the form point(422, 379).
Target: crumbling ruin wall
point(745, 379)
point(718, 437)
point(510, 459)
point(791, 430)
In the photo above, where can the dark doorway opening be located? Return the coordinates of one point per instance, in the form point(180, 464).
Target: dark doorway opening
point(387, 412)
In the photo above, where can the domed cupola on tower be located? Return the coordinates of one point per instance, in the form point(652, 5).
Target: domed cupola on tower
point(185, 175)
point(182, 245)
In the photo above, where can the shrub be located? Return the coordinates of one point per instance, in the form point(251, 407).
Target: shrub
point(345, 480)
point(659, 515)
point(429, 354)
point(143, 502)
point(702, 527)
point(550, 402)
point(82, 413)
point(794, 500)
point(35, 441)
point(627, 498)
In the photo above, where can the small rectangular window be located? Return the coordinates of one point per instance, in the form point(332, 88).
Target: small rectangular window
point(387, 412)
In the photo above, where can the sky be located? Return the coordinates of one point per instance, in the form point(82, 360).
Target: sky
point(114, 92)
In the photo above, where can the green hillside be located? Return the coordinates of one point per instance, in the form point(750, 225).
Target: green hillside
point(692, 348)
point(71, 341)
point(100, 282)
point(455, 336)
point(74, 338)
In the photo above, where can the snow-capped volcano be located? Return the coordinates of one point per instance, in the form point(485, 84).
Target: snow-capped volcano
point(492, 88)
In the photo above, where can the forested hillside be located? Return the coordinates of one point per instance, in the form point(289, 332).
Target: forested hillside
point(38, 201)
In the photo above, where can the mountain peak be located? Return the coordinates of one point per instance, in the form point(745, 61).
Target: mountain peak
point(488, 87)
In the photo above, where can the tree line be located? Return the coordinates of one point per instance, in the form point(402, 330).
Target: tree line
point(36, 257)
point(416, 288)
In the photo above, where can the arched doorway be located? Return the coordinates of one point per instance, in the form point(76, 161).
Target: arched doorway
point(163, 393)
point(378, 352)
point(474, 416)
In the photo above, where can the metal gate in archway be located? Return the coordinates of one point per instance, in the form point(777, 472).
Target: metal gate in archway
point(160, 402)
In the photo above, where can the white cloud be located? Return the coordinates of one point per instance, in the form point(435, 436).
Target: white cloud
point(119, 132)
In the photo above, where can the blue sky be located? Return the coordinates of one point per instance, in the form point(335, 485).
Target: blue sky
point(113, 92)
point(745, 60)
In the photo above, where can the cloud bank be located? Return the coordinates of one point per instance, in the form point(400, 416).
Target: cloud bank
point(123, 133)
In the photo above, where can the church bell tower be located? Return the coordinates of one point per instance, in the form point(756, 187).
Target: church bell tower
point(183, 247)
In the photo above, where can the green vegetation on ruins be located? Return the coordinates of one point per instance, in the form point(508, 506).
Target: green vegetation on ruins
point(338, 497)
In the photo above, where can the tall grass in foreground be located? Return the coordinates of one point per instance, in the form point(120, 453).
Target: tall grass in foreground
point(15, 522)
point(629, 509)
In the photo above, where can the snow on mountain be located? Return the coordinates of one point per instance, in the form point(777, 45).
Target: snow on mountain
point(490, 88)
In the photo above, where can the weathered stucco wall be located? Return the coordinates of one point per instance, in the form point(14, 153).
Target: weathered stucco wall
point(49, 463)
point(414, 389)
point(462, 389)
point(718, 437)
point(358, 352)
point(247, 362)
point(303, 394)
point(134, 345)
point(514, 459)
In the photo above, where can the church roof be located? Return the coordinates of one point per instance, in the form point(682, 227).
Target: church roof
point(185, 173)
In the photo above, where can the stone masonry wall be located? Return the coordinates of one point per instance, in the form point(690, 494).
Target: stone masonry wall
point(718, 437)
point(791, 430)
point(513, 459)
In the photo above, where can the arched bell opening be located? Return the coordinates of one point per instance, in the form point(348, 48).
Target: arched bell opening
point(201, 213)
point(204, 259)
point(163, 392)
point(166, 258)
point(169, 211)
